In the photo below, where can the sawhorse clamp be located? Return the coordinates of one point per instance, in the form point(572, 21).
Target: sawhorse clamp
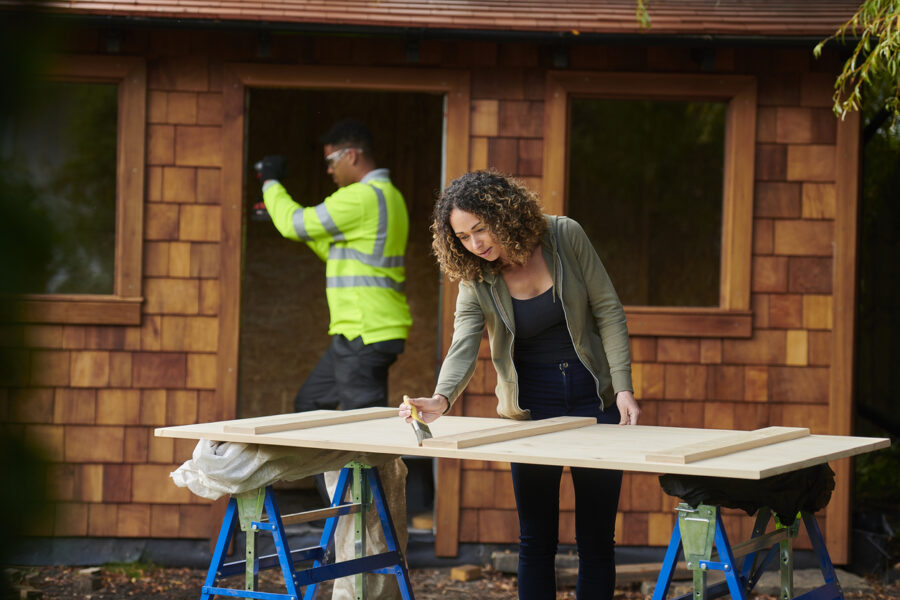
point(247, 509)
point(700, 530)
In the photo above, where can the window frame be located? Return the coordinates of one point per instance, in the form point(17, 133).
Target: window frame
point(123, 306)
point(733, 317)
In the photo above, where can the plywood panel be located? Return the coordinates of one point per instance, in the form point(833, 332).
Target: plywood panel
point(594, 446)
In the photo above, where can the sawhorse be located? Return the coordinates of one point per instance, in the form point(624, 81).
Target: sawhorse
point(247, 508)
point(700, 529)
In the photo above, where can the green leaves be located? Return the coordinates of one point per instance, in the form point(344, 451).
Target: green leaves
point(875, 60)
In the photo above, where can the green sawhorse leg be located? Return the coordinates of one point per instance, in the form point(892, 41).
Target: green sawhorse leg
point(699, 531)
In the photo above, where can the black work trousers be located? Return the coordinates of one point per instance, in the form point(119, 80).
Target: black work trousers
point(349, 375)
point(565, 389)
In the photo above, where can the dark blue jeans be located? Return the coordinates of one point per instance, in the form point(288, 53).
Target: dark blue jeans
point(564, 389)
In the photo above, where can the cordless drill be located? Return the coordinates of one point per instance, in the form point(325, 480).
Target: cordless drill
point(258, 211)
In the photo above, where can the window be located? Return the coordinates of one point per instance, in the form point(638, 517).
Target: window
point(79, 153)
point(659, 171)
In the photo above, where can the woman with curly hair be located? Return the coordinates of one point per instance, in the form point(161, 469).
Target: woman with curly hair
point(559, 345)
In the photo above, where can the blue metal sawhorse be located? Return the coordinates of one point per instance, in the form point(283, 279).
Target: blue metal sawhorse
point(246, 509)
point(700, 529)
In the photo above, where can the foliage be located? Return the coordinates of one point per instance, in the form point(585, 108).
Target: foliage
point(876, 477)
point(643, 16)
point(874, 62)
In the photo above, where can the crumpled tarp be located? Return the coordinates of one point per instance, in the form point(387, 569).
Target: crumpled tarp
point(220, 468)
point(807, 489)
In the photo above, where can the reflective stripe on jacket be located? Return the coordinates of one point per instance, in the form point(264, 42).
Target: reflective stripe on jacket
point(594, 317)
point(360, 232)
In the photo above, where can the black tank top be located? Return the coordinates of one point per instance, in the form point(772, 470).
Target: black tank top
point(541, 332)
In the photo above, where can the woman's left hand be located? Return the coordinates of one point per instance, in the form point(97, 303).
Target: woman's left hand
point(628, 408)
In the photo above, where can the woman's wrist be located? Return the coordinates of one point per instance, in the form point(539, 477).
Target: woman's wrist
point(446, 400)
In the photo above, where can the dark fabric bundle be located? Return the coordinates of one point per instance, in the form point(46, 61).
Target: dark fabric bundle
point(807, 489)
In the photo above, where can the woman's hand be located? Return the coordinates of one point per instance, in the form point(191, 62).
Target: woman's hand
point(429, 408)
point(628, 408)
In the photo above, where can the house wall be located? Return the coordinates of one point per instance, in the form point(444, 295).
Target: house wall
point(92, 395)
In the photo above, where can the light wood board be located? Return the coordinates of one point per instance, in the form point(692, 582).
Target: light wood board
point(595, 446)
point(734, 442)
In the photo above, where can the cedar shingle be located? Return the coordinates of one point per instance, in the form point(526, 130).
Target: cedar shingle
point(94, 444)
point(102, 520)
point(678, 350)
point(718, 415)
point(90, 369)
point(810, 163)
point(485, 118)
point(770, 274)
point(201, 371)
point(198, 146)
point(209, 185)
point(49, 368)
point(806, 238)
point(47, 438)
point(159, 370)
point(818, 200)
point(785, 311)
point(160, 144)
point(117, 483)
point(478, 153)
point(643, 349)
point(74, 406)
point(810, 275)
point(179, 184)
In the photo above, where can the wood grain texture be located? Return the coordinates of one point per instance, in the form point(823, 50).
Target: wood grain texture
point(594, 446)
point(727, 445)
point(518, 430)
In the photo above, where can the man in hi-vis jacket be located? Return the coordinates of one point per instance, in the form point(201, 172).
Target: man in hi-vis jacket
point(360, 231)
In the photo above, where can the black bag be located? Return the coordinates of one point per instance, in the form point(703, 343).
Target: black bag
point(807, 489)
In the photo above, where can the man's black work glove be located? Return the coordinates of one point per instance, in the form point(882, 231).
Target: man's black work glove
point(272, 167)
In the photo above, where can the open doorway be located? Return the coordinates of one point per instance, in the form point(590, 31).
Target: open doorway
point(284, 315)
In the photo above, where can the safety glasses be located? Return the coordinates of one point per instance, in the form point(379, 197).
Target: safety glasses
point(333, 158)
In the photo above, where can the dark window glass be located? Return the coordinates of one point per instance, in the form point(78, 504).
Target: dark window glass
point(645, 182)
point(63, 151)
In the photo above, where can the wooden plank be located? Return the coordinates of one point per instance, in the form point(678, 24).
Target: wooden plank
point(509, 432)
point(727, 445)
point(307, 420)
point(689, 322)
point(840, 397)
point(84, 310)
point(230, 241)
point(447, 509)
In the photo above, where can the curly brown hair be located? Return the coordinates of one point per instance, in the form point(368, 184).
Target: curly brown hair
point(510, 211)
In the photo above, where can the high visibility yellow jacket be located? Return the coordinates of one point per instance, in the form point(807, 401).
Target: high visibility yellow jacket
point(360, 232)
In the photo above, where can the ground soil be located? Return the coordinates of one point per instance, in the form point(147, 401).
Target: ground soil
point(147, 582)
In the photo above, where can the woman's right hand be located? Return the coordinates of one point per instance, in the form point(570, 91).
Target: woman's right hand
point(429, 408)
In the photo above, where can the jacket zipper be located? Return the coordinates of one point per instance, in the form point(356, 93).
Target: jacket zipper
point(569, 329)
point(512, 337)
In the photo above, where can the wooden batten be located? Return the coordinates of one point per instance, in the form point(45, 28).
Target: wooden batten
point(508, 432)
point(727, 445)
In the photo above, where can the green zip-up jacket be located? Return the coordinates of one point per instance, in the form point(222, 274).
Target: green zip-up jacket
point(360, 231)
point(594, 316)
